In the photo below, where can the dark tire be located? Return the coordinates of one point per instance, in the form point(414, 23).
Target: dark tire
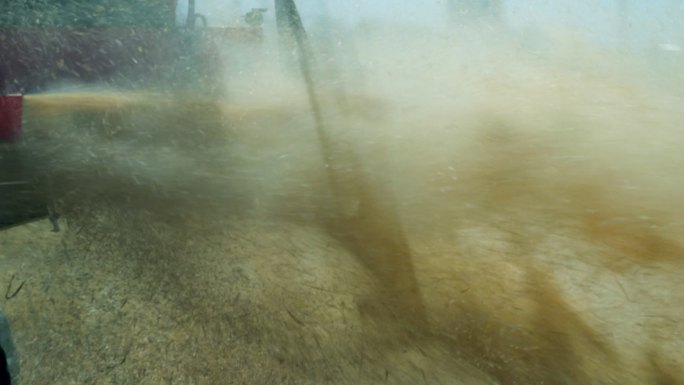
point(9, 364)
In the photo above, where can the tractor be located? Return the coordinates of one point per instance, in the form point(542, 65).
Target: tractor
point(119, 43)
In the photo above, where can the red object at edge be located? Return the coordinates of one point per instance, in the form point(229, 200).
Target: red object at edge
point(10, 116)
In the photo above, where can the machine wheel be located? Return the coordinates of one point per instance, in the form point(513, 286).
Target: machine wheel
point(9, 365)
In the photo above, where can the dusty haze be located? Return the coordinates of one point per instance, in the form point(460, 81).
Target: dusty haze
point(487, 210)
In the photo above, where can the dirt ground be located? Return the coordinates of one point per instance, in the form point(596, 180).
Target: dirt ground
point(257, 302)
point(261, 305)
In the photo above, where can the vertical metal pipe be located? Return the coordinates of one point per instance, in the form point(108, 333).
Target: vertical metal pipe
point(375, 234)
point(190, 23)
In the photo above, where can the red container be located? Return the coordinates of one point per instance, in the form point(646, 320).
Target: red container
point(10, 116)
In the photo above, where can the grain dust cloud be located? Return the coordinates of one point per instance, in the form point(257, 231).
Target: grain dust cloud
point(468, 204)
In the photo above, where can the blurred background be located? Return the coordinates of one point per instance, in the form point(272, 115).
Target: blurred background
point(615, 23)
